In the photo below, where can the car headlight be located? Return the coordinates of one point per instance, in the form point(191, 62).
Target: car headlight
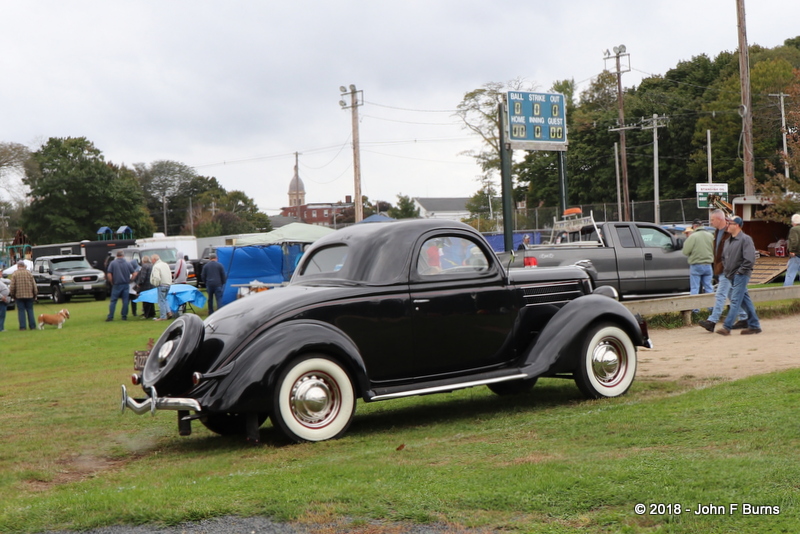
point(66, 279)
point(101, 276)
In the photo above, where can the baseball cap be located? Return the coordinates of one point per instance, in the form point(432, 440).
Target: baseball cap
point(736, 220)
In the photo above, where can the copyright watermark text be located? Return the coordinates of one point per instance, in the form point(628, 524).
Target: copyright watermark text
point(705, 509)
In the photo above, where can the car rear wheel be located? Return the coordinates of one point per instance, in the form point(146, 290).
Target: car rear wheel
point(512, 387)
point(166, 366)
point(314, 399)
point(607, 362)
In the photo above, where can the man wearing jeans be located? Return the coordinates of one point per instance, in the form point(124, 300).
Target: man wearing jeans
point(699, 251)
point(721, 236)
point(161, 277)
point(793, 247)
point(738, 257)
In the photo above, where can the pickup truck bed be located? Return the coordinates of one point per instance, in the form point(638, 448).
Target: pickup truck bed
point(636, 258)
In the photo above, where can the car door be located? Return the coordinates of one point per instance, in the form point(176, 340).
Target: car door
point(462, 311)
point(666, 268)
point(41, 276)
point(630, 260)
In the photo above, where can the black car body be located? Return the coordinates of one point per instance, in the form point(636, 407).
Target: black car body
point(380, 311)
point(64, 277)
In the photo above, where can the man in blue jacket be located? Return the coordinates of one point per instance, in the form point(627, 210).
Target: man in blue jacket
point(119, 276)
point(214, 278)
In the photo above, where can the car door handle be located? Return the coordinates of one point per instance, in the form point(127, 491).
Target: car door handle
point(421, 301)
point(648, 256)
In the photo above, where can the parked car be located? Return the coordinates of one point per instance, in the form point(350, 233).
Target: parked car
point(382, 311)
point(64, 277)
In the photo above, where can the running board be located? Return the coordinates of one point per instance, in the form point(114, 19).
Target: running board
point(440, 387)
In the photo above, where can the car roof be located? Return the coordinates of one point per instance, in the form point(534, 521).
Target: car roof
point(381, 249)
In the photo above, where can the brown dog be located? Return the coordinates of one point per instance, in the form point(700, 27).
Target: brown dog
point(53, 318)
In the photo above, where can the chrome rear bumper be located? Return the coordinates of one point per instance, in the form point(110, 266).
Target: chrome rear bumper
point(153, 403)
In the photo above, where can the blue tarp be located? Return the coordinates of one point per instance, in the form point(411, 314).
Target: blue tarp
point(178, 294)
point(497, 241)
point(270, 264)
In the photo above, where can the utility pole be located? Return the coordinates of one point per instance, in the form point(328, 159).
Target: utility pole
point(354, 103)
point(655, 125)
point(746, 109)
point(619, 53)
point(708, 153)
point(619, 196)
point(783, 130)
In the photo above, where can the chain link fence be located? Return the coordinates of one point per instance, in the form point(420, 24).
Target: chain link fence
point(673, 211)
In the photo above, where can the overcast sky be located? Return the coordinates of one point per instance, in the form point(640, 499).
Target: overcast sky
point(235, 88)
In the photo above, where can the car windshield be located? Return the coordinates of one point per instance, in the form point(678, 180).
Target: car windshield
point(169, 255)
point(70, 263)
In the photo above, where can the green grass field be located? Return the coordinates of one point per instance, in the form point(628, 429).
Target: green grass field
point(549, 461)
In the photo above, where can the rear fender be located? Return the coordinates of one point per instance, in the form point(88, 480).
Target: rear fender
point(248, 385)
point(551, 350)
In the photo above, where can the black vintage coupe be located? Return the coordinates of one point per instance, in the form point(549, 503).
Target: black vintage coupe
point(385, 310)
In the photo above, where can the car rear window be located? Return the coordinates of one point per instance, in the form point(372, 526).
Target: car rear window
point(326, 261)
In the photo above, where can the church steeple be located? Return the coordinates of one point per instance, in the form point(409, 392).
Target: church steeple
point(297, 191)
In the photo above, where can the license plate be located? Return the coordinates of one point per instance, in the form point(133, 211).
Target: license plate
point(87, 287)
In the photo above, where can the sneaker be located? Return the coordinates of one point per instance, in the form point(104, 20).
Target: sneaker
point(724, 331)
point(109, 319)
point(749, 331)
point(159, 319)
point(708, 325)
point(738, 325)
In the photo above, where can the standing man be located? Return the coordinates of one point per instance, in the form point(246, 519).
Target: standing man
point(161, 278)
point(180, 270)
point(214, 278)
point(699, 251)
point(794, 251)
point(5, 295)
point(23, 289)
point(738, 258)
point(721, 236)
point(119, 276)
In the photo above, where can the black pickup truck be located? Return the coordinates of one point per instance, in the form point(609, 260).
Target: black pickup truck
point(638, 259)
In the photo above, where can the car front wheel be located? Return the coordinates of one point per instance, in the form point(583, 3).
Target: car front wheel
point(314, 399)
point(607, 362)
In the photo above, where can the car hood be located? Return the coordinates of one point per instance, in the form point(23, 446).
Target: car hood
point(237, 323)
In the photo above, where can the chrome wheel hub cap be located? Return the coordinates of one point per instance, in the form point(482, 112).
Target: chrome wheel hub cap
point(608, 363)
point(164, 353)
point(315, 400)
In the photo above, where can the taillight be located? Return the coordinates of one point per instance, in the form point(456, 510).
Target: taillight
point(530, 261)
point(136, 379)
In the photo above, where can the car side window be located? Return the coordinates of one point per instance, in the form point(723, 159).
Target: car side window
point(450, 255)
point(653, 238)
point(325, 261)
point(625, 236)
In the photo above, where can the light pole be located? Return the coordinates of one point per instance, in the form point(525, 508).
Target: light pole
point(354, 103)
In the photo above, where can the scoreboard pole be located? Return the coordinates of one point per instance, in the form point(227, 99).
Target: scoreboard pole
point(506, 182)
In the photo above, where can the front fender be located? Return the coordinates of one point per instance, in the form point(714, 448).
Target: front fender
point(552, 346)
point(248, 385)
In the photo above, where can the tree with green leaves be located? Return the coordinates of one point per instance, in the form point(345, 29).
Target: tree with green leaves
point(163, 182)
point(405, 209)
point(75, 192)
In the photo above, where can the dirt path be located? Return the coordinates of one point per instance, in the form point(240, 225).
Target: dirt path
point(693, 353)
